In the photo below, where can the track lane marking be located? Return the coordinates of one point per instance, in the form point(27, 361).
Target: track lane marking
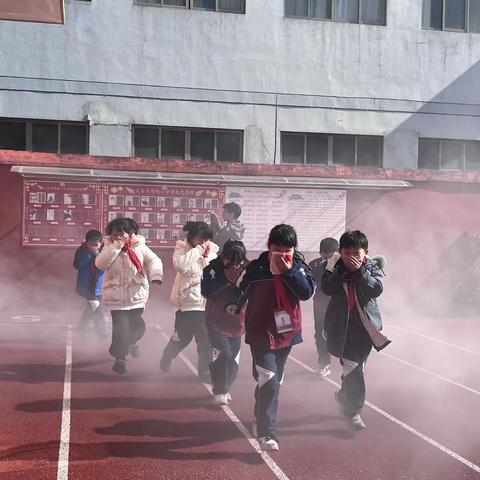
point(405, 426)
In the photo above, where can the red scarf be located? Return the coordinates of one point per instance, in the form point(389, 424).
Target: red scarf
point(132, 255)
point(283, 300)
point(352, 299)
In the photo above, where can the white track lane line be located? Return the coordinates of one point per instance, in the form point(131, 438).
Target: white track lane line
point(433, 339)
point(64, 450)
point(277, 471)
point(410, 429)
point(433, 374)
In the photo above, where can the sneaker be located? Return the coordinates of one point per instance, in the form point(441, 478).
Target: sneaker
point(269, 444)
point(324, 371)
point(254, 428)
point(220, 399)
point(356, 422)
point(120, 366)
point(165, 365)
point(135, 350)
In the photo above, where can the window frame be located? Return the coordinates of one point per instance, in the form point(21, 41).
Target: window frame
point(190, 6)
point(28, 132)
point(441, 142)
point(333, 19)
point(188, 143)
point(453, 30)
point(330, 138)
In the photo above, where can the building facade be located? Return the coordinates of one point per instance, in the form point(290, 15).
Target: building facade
point(382, 83)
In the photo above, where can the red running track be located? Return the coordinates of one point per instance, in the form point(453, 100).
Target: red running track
point(423, 417)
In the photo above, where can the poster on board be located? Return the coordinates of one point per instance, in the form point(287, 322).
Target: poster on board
point(314, 213)
point(161, 210)
point(59, 213)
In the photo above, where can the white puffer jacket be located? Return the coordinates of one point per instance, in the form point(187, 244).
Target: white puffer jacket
point(124, 288)
point(189, 263)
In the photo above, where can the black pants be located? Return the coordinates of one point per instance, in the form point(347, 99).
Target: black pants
point(353, 388)
point(128, 327)
point(320, 342)
point(226, 356)
point(188, 325)
point(93, 316)
point(268, 369)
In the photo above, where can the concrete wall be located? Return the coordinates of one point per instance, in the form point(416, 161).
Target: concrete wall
point(117, 63)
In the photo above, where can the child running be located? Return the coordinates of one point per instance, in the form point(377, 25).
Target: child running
point(225, 327)
point(273, 286)
point(353, 321)
point(89, 283)
point(190, 257)
point(129, 265)
point(328, 246)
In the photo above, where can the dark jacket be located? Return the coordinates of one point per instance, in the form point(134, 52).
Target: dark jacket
point(231, 231)
point(368, 286)
point(89, 278)
point(320, 300)
point(220, 292)
point(258, 289)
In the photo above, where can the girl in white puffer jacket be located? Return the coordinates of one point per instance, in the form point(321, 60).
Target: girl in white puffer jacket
point(190, 257)
point(129, 265)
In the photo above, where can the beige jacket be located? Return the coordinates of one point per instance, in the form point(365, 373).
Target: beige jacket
point(189, 264)
point(124, 288)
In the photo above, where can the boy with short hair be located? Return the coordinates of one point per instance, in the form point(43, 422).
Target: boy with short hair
point(328, 246)
point(353, 321)
point(89, 283)
point(233, 228)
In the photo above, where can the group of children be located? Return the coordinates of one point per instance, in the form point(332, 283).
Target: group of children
point(219, 296)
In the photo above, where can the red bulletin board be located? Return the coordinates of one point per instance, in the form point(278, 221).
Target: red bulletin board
point(59, 213)
point(161, 210)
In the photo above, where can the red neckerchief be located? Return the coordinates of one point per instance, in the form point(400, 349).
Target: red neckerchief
point(283, 300)
point(352, 300)
point(132, 255)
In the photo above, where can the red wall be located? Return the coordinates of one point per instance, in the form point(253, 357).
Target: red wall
point(417, 230)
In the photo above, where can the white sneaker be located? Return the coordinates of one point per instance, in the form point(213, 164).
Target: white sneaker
point(220, 399)
point(324, 371)
point(356, 422)
point(269, 444)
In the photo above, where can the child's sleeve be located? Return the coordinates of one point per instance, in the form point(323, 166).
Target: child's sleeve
point(81, 259)
point(153, 265)
point(108, 254)
point(212, 281)
point(300, 280)
point(332, 282)
point(370, 282)
point(189, 261)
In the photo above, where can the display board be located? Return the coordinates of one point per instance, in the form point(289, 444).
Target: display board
point(161, 210)
point(314, 213)
point(59, 213)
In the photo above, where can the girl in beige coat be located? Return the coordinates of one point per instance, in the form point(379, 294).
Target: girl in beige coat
point(129, 265)
point(190, 257)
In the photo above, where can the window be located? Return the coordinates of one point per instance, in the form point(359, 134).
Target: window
point(44, 136)
point(227, 6)
point(442, 154)
point(188, 144)
point(328, 149)
point(371, 12)
point(453, 15)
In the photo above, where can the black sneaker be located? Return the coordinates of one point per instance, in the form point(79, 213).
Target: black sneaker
point(120, 366)
point(135, 350)
point(165, 365)
point(356, 422)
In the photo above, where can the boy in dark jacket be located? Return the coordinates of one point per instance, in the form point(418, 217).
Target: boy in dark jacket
point(353, 321)
point(233, 228)
point(273, 286)
point(89, 283)
point(225, 327)
point(328, 247)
